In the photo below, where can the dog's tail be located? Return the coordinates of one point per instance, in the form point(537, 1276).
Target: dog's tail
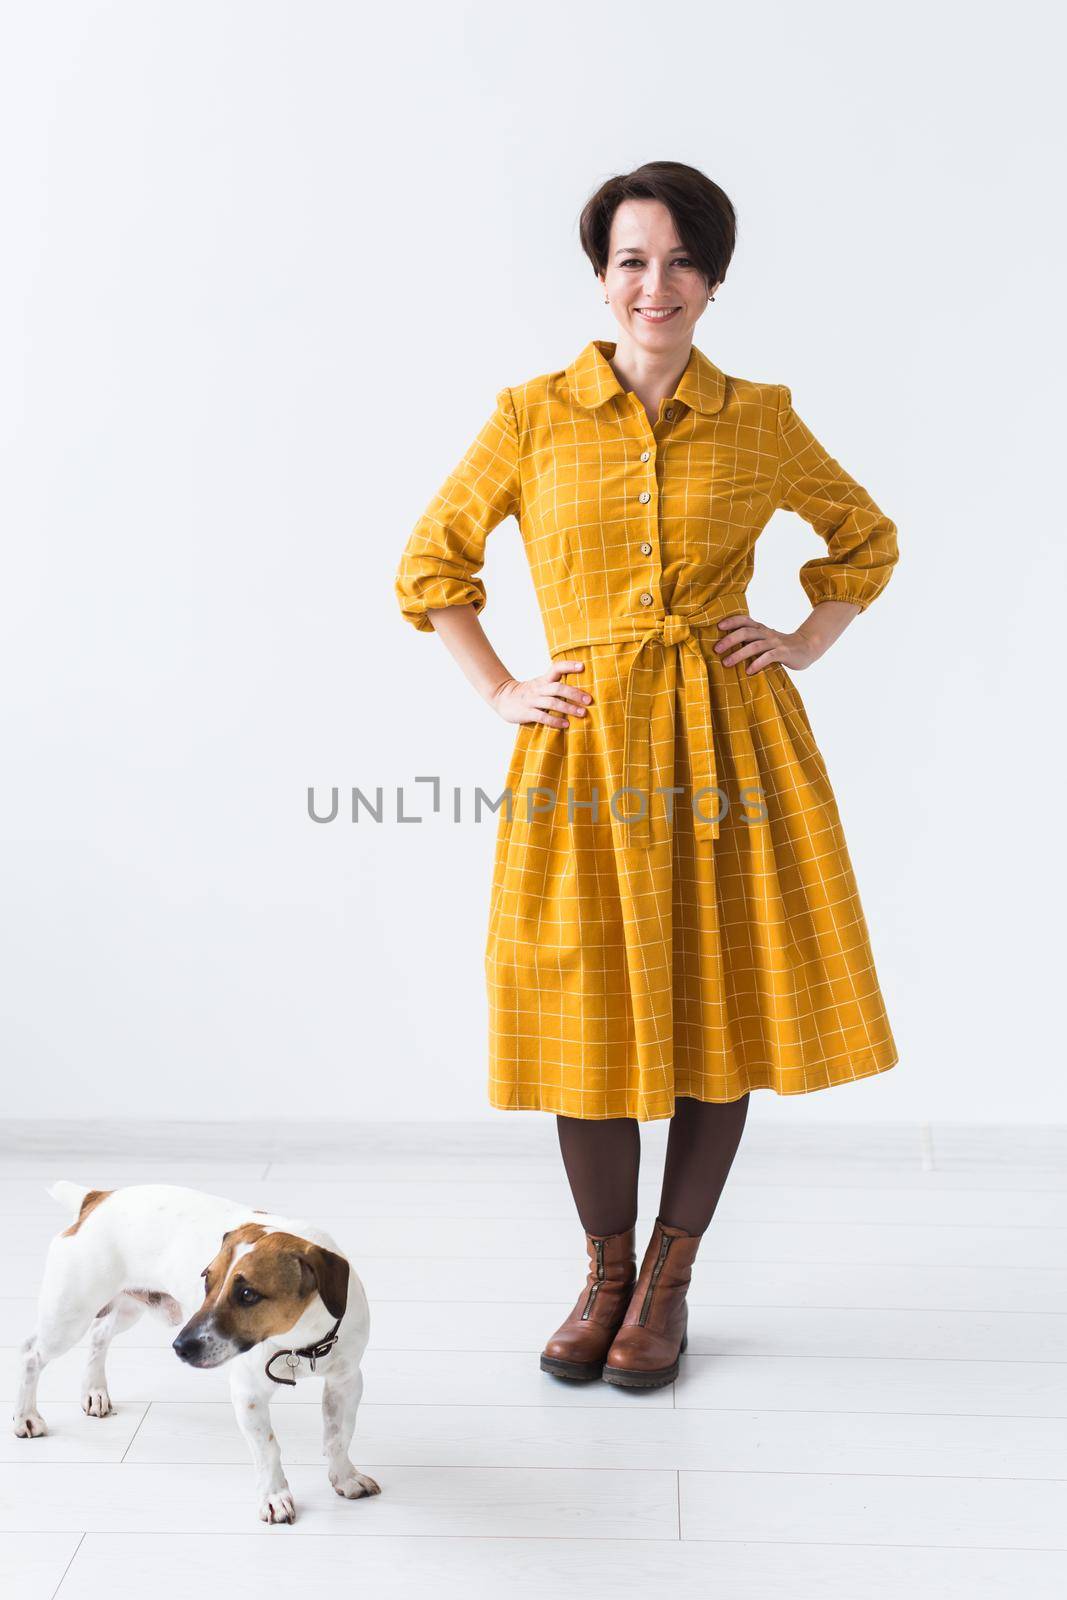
point(69, 1195)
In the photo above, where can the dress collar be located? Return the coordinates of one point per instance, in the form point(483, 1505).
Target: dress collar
point(592, 381)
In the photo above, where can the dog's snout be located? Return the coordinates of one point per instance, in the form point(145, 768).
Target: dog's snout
point(189, 1346)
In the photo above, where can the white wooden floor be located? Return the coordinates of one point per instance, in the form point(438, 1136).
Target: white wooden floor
point(872, 1402)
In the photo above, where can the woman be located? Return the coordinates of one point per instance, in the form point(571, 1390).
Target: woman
point(647, 958)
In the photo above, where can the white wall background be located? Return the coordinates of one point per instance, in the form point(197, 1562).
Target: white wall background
point(264, 268)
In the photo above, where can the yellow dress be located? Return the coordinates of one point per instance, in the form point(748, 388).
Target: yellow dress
point(645, 943)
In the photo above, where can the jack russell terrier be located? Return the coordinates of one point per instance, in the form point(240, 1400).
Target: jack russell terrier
point(278, 1301)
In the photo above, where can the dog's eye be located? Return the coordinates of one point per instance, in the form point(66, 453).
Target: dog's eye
point(247, 1296)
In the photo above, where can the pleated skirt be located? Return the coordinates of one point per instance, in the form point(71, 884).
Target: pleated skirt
point(620, 976)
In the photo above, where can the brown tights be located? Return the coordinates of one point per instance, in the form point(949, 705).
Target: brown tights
point(602, 1158)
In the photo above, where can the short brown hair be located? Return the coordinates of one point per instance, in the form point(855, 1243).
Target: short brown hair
point(702, 212)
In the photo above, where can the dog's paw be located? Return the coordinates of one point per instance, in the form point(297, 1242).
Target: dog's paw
point(97, 1403)
point(278, 1507)
point(31, 1425)
point(354, 1485)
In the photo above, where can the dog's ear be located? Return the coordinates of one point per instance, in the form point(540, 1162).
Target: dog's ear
point(327, 1272)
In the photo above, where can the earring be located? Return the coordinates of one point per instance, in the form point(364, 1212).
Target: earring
point(605, 300)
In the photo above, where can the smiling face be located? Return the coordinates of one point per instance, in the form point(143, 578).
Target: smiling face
point(649, 272)
point(258, 1287)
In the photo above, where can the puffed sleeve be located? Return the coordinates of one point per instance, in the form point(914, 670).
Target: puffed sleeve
point(445, 552)
point(861, 540)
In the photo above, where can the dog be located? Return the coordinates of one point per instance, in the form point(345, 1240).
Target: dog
point(278, 1301)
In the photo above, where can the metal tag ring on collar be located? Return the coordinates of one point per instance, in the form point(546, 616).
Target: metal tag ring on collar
point(311, 1353)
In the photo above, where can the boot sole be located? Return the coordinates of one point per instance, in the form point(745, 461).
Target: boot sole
point(633, 1379)
point(576, 1371)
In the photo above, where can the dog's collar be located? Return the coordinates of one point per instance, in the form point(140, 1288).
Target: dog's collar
point(309, 1352)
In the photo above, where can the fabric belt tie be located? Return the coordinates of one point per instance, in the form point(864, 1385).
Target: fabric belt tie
point(671, 630)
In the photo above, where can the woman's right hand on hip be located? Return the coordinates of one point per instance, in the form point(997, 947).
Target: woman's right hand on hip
point(543, 699)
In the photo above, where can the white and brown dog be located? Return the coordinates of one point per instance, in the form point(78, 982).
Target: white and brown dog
point(278, 1301)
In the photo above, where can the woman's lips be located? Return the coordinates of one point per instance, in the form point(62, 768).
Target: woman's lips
point(642, 311)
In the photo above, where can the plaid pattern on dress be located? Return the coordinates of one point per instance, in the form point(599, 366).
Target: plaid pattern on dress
point(673, 907)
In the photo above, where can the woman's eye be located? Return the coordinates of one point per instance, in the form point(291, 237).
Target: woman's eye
point(632, 261)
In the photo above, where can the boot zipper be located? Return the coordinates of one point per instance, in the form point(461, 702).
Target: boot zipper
point(599, 1245)
point(665, 1244)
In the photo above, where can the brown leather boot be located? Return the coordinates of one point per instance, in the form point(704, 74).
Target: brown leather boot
point(578, 1346)
point(653, 1333)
